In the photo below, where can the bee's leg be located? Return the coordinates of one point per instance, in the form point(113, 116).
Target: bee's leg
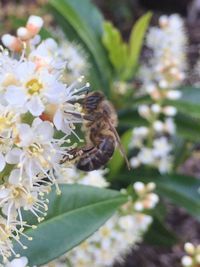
point(72, 154)
point(92, 117)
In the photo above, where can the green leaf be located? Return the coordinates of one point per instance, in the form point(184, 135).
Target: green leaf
point(189, 102)
point(181, 151)
point(159, 235)
point(130, 118)
point(191, 109)
point(118, 159)
point(85, 21)
point(190, 94)
point(188, 127)
point(182, 190)
point(72, 217)
point(117, 48)
point(136, 42)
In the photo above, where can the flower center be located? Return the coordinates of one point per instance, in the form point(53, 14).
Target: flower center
point(3, 123)
point(6, 122)
point(35, 149)
point(34, 86)
point(17, 193)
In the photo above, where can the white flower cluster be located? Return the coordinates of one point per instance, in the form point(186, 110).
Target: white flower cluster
point(114, 239)
point(160, 77)
point(193, 257)
point(75, 57)
point(35, 104)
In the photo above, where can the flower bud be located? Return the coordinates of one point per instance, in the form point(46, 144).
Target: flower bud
point(163, 21)
point(169, 111)
point(173, 94)
point(189, 248)
point(139, 187)
point(163, 84)
point(156, 108)
point(12, 42)
point(144, 111)
point(186, 261)
point(34, 24)
point(138, 206)
point(158, 126)
point(135, 162)
point(23, 33)
point(151, 186)
point(197, 258)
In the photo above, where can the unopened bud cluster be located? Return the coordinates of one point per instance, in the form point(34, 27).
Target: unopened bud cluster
point(192, 259)
point(35, 104)
point(160, 76)
point(146, 198)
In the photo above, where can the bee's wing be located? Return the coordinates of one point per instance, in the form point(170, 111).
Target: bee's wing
point(121, 148)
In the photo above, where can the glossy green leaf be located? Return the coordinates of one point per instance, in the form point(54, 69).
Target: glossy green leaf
point(136, 42)
point(189, 102)
point(117, 48)
point(182, 190)
point(85, 21)
point(72, 217)
point(159, 235)
point(190, 94)
point(188, 126)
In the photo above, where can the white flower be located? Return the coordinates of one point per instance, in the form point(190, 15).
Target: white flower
point(46, 55)
point(21, 262)
point(170, 126)
point(161, 147)
point(8, 233)
point(75, 58)
point(36, 88)
point(146, 155)
point(144, 111)
point(134, 162)
point(95, 178)
point(139, 134)
point(168, 62)
point(16, 195)
point(164, 164)
point(66, 113)
point(35, 151)
point(187, 261)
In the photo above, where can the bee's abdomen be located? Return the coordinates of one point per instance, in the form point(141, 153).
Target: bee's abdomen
point(98, 156)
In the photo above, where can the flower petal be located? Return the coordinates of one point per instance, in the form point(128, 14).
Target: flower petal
point(35, 106)
point(13, 156)
point(2, 162)
point(15, 95)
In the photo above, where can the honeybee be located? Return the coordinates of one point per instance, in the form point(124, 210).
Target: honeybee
point(100, 121)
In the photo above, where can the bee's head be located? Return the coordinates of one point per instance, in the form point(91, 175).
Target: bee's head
point(92, 100)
